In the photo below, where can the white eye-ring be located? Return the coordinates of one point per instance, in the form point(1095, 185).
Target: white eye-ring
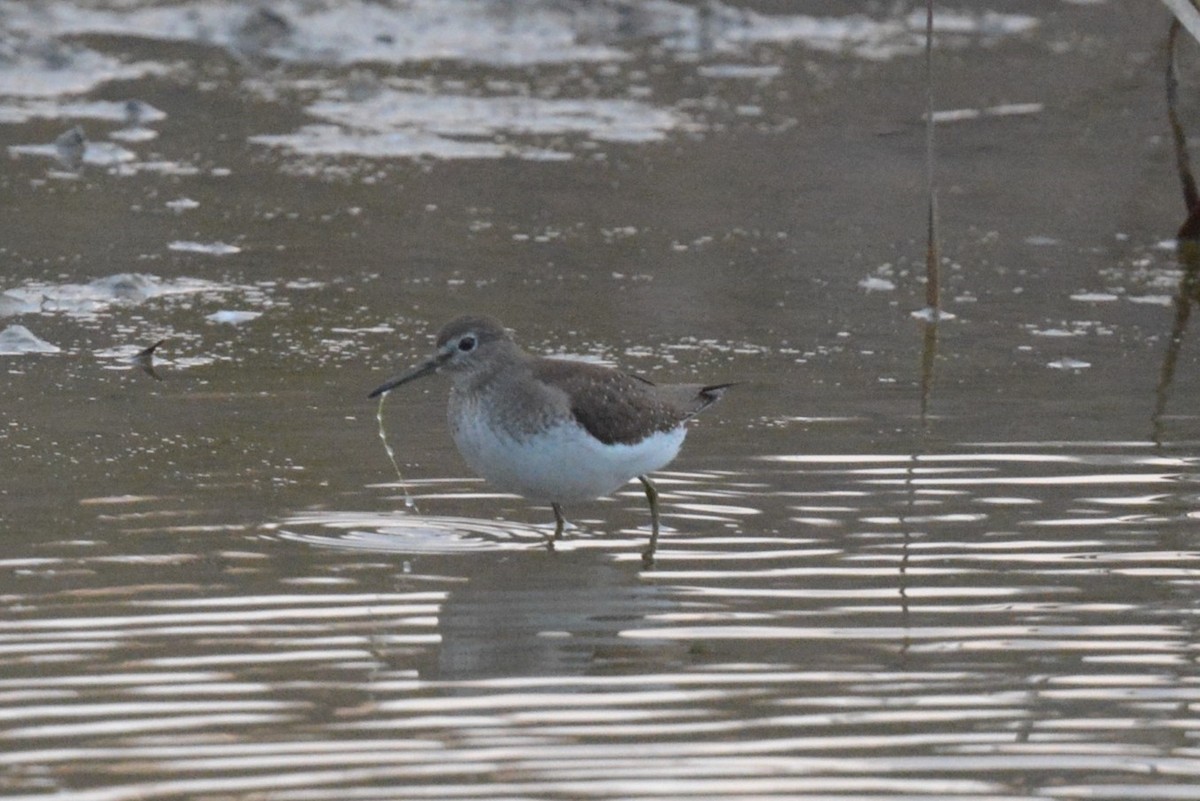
point(467, 343)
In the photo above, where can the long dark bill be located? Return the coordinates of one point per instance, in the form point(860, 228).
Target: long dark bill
point(423, 369)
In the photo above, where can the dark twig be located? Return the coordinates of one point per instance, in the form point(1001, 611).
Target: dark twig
point(1183, 162)
point(933, 284)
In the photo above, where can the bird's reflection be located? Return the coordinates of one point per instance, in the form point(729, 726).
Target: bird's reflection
point(507, 606)
point(542, 614)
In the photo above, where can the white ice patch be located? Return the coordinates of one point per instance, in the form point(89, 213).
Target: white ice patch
point(392, 123)
point(50, 69)
point(233, 316)
point(1068, 364)
point(85, 300)
point(932, 315)
point(501, 34)
point(874, 283)
point(211, 248)
point(17, 340)
point(1153, 300)
point(98, 154)
point(104, 110)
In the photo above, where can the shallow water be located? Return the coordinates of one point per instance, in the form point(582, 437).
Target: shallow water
point(893, 565)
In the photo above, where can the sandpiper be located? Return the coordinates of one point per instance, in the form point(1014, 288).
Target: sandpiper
point(556, 430)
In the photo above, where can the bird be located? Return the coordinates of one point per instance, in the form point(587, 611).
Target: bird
point(553, 430)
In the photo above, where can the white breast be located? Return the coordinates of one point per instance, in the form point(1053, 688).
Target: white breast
point(561, 464)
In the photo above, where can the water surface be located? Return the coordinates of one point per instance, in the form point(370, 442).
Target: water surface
point(894, 566)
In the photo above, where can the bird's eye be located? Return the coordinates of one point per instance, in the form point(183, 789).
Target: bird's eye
point(466, 344)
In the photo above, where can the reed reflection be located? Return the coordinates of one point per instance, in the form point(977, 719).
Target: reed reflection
point(1188, 247)
point(1187, 295)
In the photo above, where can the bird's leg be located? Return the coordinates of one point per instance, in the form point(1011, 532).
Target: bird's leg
point(652, 497)
point(559, 521)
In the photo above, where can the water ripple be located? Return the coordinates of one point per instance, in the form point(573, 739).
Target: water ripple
point(406, 533)
point(927, 641)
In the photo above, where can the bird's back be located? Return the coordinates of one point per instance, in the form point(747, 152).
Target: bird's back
point(620, 408)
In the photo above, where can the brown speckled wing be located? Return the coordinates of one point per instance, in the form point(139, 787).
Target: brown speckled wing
point(616, 407)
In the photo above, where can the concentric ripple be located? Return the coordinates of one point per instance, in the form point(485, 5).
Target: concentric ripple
point(406, 533)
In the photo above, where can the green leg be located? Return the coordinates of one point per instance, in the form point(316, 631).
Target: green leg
point(652, 498)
